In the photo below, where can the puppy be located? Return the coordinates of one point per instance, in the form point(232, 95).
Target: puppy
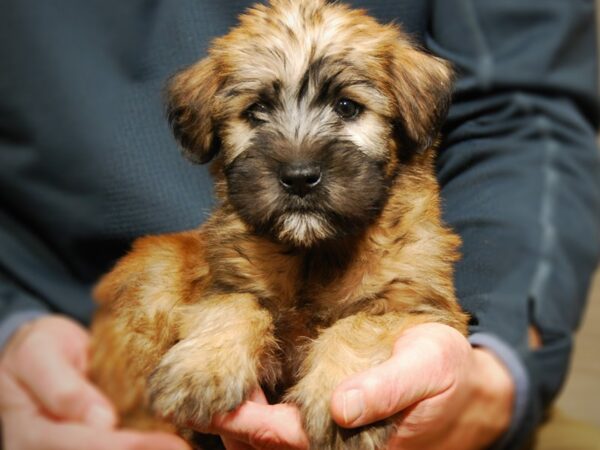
point(326, 243)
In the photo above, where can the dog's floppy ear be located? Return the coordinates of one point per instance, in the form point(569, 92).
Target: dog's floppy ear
point(190, 108)
point(422, 86)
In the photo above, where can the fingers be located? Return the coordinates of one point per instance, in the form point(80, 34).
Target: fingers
point(26, 432)
point(49, 359)
point(231, 443)
point(262, 426)
point(65, 392)
point(47, 402)
point(424, 364)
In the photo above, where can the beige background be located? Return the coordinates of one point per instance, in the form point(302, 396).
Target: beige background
point(581, 397)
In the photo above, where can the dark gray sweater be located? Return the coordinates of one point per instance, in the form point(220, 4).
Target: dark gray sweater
point(87, 162)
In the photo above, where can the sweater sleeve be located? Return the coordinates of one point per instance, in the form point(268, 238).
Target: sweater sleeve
point(31, 276)
point(16, 308)
point(520, 174)
point(87, 160)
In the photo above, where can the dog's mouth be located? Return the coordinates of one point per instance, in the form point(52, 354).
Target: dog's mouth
point(299, 221)
point(305, 221)
point(311, 203)
point(303, 229)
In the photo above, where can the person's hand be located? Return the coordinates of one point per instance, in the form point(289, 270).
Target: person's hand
point(46, 402)
point(258, 425)
point(444, 393)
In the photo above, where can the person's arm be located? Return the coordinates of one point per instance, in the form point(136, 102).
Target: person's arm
point(521, 176)
point(46, 399)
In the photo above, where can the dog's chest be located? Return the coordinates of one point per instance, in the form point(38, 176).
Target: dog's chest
point(331, 285)
point(310, 289)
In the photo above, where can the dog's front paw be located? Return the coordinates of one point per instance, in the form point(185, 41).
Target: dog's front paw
point(191, 385)
point(313, 397)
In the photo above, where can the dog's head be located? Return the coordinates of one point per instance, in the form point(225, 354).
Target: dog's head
point(311, 110)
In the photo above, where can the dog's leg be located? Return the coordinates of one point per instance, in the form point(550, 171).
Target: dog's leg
point(225, 351)
point(351, 345)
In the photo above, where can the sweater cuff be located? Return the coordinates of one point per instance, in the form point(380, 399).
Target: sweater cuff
point(11, 323)
point(511, 360)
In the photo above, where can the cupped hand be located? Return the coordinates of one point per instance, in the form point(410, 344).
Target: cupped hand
point(46, 401)
point(442, 392)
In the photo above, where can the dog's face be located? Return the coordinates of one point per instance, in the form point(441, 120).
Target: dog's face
point(311, 110)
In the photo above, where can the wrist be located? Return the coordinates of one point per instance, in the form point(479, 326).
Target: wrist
point(494, 388)
point(15, 322)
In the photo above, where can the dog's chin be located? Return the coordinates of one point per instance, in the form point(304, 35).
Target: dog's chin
point(303, 229)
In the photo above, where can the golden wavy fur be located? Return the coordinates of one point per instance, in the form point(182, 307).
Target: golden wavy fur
point(327, 240)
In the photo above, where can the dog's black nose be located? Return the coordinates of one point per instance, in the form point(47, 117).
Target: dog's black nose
point(300, 178)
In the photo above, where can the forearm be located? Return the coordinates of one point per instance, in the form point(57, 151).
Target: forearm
point(16, 308)
point(505, 384)
point(494, 390)
point(34, 279)
point(520, 176)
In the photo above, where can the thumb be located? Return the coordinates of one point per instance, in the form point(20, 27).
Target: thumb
point(49, 362)
point(419, 368)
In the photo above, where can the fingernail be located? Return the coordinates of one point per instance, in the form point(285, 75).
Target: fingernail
point(101, 417)
point(353, 405)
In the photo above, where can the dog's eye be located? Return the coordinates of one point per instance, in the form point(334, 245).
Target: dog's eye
point(347, 109)
point(256, 113)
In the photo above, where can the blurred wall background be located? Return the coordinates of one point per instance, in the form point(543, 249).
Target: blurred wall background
point(580, 398)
